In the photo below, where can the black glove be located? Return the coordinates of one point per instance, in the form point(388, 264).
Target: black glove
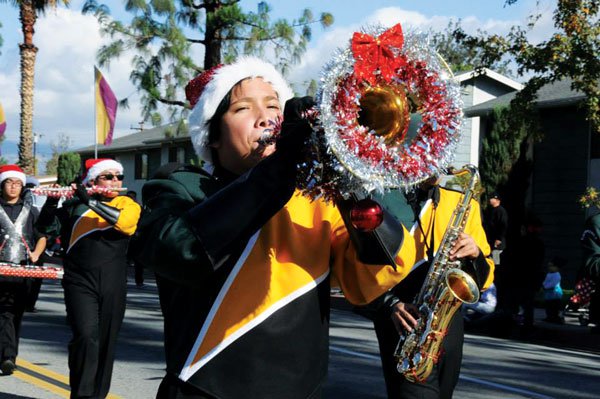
point(295, 129)
point(81, 192)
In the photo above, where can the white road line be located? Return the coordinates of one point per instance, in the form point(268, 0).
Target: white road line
point(529, 394)
point(503, 387)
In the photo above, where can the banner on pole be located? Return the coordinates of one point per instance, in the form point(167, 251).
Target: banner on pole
point(106, 109)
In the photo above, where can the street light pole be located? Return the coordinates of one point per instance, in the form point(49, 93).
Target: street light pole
point(35, 140)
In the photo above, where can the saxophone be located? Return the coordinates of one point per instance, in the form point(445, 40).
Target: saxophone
point(445, 288)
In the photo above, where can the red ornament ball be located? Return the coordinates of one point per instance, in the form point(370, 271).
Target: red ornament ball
point(366, 215)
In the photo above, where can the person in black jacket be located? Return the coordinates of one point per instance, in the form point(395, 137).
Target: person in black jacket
point(590, 243)
point(495, 223)
point(20, 243)
point(244, 262)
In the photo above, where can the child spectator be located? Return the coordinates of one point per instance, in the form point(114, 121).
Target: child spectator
point(552, 291)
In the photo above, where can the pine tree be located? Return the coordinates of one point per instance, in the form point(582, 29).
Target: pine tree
point(69, 164)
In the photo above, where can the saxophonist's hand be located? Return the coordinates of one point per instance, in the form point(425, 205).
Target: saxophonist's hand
point(465, 247)
point(404, 316)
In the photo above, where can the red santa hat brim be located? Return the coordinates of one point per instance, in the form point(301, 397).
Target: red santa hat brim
point(97, 166)
point(220, 83)
point(12, 171)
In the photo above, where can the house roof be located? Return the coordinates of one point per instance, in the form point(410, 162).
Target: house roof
point(463, 77)
point(148, 138)
point(551, 95)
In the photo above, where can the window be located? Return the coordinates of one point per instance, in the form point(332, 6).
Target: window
point(177, 154)
point(154, 158)
point(190, 154)
point(141, 166)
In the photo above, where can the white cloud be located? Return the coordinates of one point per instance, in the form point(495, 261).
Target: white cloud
point(63, 100)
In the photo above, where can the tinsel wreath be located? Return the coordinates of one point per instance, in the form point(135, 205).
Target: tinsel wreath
point(345, 156)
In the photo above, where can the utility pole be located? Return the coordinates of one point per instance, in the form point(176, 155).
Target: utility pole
point(36, 136)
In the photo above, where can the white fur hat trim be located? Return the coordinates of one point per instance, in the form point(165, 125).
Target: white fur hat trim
point(99, 167)
point(222, 81)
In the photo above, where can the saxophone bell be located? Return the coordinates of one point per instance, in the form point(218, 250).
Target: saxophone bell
point(462, 286)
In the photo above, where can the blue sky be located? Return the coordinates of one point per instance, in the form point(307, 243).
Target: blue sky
point(68, 42)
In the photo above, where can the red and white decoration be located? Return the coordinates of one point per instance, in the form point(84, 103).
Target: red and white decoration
point(349, 156)
point(50, 272)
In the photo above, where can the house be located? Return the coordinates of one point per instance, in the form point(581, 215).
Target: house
point(478, 88)
point(141, 154)
point(565, 162)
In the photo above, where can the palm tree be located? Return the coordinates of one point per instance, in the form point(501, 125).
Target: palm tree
point(28, 12)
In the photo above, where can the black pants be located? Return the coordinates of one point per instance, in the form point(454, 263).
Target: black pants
point(172, 387)
point(34, 285)
point(13, 293)
point(95, 302)
point(443, 378)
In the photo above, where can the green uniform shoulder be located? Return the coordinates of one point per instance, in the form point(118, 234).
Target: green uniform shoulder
point(176, 183)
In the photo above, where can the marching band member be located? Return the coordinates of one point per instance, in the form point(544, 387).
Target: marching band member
point(243, 262)
point(20, 242)
point(94, 232)
point(433, 206)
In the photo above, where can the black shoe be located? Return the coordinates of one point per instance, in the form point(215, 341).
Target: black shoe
point(8, 367)
point(31, 310)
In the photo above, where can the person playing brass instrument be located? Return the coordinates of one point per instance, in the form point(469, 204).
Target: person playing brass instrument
point(94, 232)
point(20, 242)
point(395, 312)
point(244, 262)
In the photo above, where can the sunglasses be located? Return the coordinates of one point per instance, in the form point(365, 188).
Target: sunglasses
point(110, 176)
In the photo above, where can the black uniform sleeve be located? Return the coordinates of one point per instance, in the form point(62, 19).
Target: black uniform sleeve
point(47, 223)
point(241, 208)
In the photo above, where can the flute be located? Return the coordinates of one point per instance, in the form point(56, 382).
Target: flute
point(67, 192)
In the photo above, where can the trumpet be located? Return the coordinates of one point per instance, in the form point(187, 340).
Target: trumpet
point(68, 192)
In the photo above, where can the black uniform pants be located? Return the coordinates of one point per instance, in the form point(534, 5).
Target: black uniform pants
point(443, 378)
point(34, 286)
point(95, 301)
point(172, 387)
point(13, 293)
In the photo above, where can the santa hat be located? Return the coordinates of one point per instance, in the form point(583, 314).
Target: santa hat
point(8, 171)
point(93, 168)
point(206, 91)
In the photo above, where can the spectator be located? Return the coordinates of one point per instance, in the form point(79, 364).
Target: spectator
point(526, 272)
point(484, 307)
point(553, 291)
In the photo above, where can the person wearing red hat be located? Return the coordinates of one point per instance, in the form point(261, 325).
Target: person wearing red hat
point(20, 242)
point(243, 261)
point(94, 232)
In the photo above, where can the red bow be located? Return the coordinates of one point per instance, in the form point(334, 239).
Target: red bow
point(372, 53)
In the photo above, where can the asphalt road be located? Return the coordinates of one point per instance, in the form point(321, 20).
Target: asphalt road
point(492, 368)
